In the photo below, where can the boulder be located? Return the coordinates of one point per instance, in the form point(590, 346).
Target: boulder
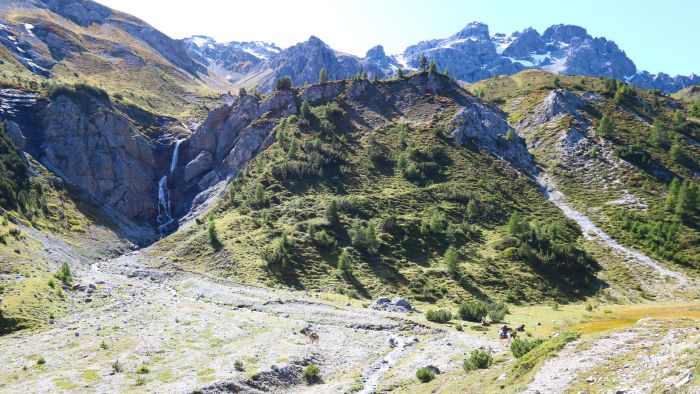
point(395, 305)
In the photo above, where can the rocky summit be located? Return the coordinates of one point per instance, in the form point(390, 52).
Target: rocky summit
point(483, 213)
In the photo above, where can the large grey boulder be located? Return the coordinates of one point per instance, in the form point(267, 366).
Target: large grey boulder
point(391, 305)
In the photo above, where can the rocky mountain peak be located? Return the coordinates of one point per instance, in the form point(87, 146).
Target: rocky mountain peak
point(376, 52)
point(564, 33)
point(525, 43)
point(475, 29)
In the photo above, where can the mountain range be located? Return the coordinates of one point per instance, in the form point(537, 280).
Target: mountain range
point(37, 35)
point(470, 55)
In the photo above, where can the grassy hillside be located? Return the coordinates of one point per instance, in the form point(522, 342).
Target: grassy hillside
point(399, 209)
point(655, 137)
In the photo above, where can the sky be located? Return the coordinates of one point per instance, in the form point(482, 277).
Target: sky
point(656, 35)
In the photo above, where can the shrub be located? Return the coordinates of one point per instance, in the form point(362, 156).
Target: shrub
point(473, 311)
point(344, 264)
point(41, 361)
point(458, 327)
point(478, 359)
point(278, 254)
point(63, 274)
point(238, 365)
point(535, 356)
point(117, 367)
point(213, 235)
point(497, 311)
point(425, 375)
point(142, 369)
point(323, 239)
point(284, 83)
point(311, 374)
point(103, 345)
point(438, 316)
point(520, 347)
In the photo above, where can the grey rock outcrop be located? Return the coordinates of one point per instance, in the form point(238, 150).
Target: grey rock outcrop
point(230, 136)
point(98, 150)
point(487, 128)
point(557, 103)
point(13, 130)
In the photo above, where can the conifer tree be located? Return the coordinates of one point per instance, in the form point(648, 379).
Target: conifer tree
point(451, 260)
point(323, 75)
point(344, 263)
point(433, 67)
point(605, 127)
point(672, 197)
point(423, 62)
point(659, 134)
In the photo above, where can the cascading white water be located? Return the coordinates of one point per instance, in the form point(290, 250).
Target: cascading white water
point(173, 162)
point(165, 218)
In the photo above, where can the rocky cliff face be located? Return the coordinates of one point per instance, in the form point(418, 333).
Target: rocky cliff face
point(97, 149)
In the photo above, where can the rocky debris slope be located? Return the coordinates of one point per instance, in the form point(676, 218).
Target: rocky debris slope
point(649, 357)
point(189, 329)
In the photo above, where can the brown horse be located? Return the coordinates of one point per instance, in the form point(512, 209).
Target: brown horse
point(313, 338)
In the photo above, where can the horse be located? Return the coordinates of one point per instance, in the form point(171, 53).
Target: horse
point(503, 333)
point(313, 338)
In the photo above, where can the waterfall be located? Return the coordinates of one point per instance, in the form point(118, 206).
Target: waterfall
point(176, 151)
point(165, 218)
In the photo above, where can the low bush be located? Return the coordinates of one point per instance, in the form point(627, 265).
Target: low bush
point(438, 316)
point(478, 359)
point(425, 375)
point(473, 311)
point(520, 347)
point(497, 311)
point(312, 374)
point(142, 369)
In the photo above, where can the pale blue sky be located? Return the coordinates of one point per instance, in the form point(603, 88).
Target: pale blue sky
point(657, 35)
